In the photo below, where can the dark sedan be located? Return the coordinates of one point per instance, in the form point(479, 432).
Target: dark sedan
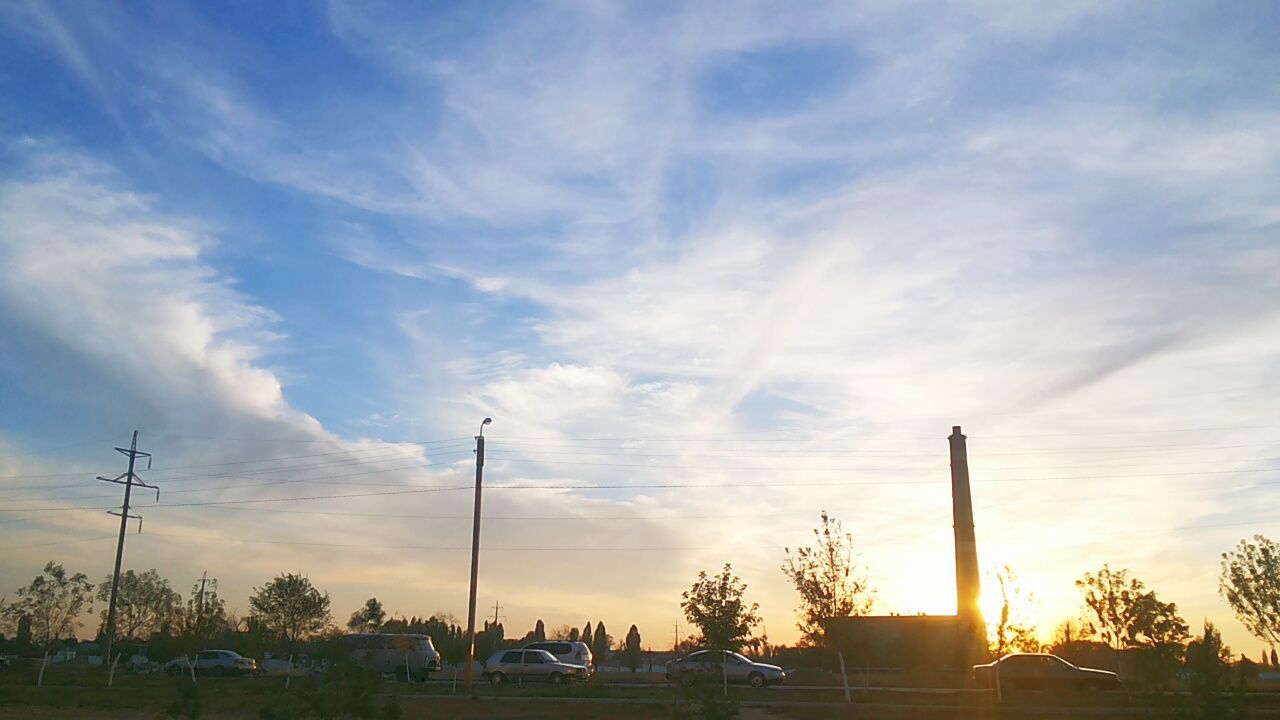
point(1041, 671)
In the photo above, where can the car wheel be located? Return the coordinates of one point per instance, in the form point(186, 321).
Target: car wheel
point(757, 680)
point(496, 678)
point(557, 678)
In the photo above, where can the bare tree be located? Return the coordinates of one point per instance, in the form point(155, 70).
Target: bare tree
point(827, 578)
point(1250, 583)
point(1013, 630)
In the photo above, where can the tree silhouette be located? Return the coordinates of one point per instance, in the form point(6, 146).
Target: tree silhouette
point(586, 635)
point(1013, 629)
point(825, 575)
point(144, 604)
point(716, 607)
point(633, 648)
point(290, 607)
point(54, 601)
point(539, 631)
point(600, 643)
point(574, 634)
point(368, 618)
point(1250, 583)
point(205, 615)
point(1125, 614)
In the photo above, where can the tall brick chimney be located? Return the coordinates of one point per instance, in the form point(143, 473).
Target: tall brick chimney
point(968, 584)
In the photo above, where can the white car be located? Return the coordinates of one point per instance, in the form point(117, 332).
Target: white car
point(532, 665)
point(572, 652)
point(213, 662)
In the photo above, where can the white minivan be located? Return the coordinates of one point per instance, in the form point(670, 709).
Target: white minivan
point(566, 651)
point(408, 656)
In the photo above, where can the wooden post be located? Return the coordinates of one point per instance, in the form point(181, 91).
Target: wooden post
point(288, 672)
point(999, 687)
point(111, 673)
point(192, 668)
point(845, 676)
point(43, 663)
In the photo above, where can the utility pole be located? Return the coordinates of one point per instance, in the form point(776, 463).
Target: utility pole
point(496, 607)
point(128, 479)
point(475, 558)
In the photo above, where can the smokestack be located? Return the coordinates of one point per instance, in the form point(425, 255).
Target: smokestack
point(968, 585)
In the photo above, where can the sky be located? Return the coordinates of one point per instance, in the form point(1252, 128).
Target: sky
point(712, 269)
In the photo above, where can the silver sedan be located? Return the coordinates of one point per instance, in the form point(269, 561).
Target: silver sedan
point(726, 664)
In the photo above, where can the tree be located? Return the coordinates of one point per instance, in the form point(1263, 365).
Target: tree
point(826, 577)
point(600, 643)
point(205, 615)
point(54, 601)
point(1208, 677)
point(144, 604)
point(368, 618)
point(1013, 630)
point(564, 632)
point(539, 631)
point(574, 634)
point(716, 606)
point(586, 635)
point(633, 648)
point(1250, 583)
point(1126, 615)
point(290, 607)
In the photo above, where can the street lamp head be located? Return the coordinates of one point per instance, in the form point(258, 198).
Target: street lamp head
point(486, 422)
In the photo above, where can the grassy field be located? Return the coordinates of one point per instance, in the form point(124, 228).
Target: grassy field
point(69, 694)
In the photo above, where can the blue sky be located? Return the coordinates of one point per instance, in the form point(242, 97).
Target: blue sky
point(729, 243)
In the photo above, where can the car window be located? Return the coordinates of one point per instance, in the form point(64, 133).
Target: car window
point(206, 655)
point(698, 657)
point(510, 657)
point(1018, 662)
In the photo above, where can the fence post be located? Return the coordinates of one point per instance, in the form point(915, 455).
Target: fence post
point(190, 667)
point(111, 673)
point(43, 663)
point(999, 686)
point(288, 672)
point(844, 676)
point(455, 679)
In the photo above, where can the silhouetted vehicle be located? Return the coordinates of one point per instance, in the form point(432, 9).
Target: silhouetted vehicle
point(409, 656)
point(213, 662)
point(716, 665)
point(572, 652)
point(530, 665)
point(1041, 671)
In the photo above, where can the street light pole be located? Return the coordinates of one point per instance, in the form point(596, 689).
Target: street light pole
point(475, 558)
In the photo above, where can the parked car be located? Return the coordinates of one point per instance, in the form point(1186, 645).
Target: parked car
point(213, 662)
point(1041, 671)
point(509, 665)
point(394, 653)
point(566, 651)
point(718, 664)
